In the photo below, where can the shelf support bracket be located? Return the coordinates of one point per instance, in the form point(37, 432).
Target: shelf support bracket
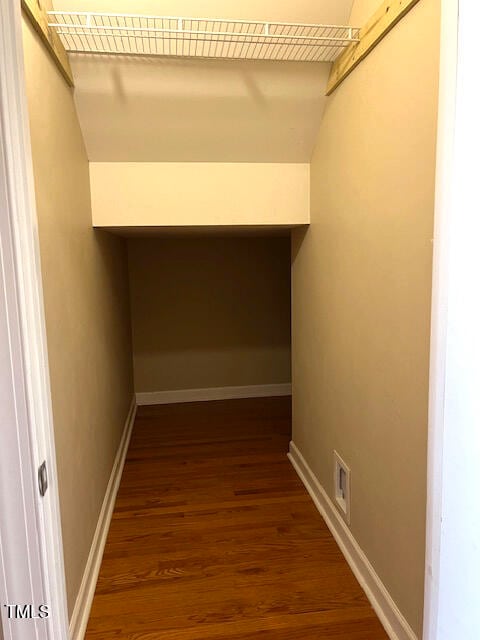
point(376, 28)
point(36, 12)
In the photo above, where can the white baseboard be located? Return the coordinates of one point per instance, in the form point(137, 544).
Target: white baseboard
point(83, 604)
point(213, 393)
point(390, 616)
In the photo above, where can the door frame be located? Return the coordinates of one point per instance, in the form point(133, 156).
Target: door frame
point(438, 341)
point(31, 561)
point(452, 590)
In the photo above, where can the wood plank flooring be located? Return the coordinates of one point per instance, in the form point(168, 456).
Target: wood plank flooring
point(215, 538)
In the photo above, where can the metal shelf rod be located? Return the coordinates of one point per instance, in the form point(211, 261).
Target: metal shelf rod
point(230, 34)
point(224, 20)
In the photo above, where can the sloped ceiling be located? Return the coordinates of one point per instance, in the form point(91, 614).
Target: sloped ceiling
point(186, 110)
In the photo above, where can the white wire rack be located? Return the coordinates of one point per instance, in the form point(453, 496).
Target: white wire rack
point(144, 35)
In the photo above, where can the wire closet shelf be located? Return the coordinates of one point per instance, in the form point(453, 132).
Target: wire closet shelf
point(144, 35)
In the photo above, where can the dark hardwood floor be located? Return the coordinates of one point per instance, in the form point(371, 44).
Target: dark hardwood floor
point(214, 536)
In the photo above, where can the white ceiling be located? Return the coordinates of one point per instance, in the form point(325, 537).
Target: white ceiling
point(186, 110)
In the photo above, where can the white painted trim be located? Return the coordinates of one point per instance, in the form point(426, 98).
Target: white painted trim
point(21, 566)
point(213, 393)
point(439, 315)
point(452, 591)
point(31, 384)
point(83, 604)
point(390, 616)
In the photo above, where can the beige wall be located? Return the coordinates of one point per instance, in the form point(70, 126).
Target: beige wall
point(199, 193)
point(194, 110)
point(210, 312)
point(86, 303)
point(361, 297)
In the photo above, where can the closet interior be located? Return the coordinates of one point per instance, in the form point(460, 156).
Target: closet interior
point(235, 201)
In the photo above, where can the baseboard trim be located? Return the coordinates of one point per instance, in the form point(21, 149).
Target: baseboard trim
point(213, 393)
point(390, 616)
point(83, 604)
